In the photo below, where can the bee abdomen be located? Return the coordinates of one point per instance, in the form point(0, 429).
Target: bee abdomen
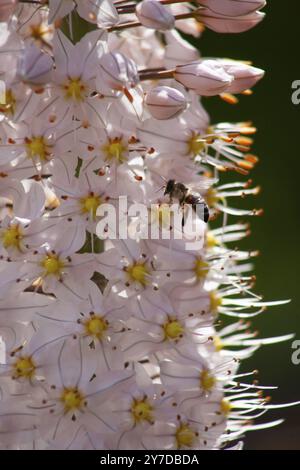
point(199, 206)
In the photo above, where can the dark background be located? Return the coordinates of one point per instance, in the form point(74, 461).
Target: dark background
point(272, 45)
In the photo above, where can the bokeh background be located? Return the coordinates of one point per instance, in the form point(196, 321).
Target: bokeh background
point(274, 46)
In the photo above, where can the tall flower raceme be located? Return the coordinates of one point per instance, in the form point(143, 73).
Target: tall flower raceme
point(131, 343)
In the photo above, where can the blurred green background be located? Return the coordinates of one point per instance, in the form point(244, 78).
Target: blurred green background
point(273, 46)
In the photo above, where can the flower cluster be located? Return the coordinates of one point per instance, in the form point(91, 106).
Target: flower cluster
point(122, 344)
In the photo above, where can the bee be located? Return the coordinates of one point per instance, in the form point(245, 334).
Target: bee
point(184, 195)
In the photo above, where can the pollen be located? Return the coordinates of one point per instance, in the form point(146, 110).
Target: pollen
point(173, 329)
point(215, 302)
point(195, 144)
point(207, 380)
point(38, 31)
point(142, 411)
point(52, 265)
point(201, 269)
point(74, 89)
point(24, 367)
point(226, 407)
point(185, 436)
point(72, 399)
point(11, 237)
point(138, 272)
point(37, 147)
point(211, 241)
point(90, 204)
point(115, 150)
point(218, 343)
point(96, 326)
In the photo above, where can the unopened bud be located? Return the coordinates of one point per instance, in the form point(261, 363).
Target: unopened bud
point(7, 8)
point(244, 75)
point(164, 102)
point(233, 7)
point(206, 78)
point(226, 24)
point(117, 71)
point(152, 14)
point(35, 66)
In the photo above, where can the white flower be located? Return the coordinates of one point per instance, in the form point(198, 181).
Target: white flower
point(35, 66)
point(183, 433)
point(98, 321)
point(31, 145)
point(207, 78)
point(221, 23)
point(56, 267)
point(101, 12)
point(73, 398)
point(233, 7)
point(74, 75)
point(165, 102)
point(152, 14)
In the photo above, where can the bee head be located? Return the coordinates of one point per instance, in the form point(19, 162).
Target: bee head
point(169, 187)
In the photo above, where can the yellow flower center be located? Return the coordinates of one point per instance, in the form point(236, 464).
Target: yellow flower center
point(218, 343)
point(211, 241)
point(142, 411)
point(52, 265)
point(7, 102)
point(226, 407)
point(96, 326)
point(173, 329)
point(24, 367)
point(185, 436)
point(115, 150)
point(207, 380)
point(37, 147)
point(38, 31)
point(195, 144)
point(74, 90)
point(72, 399)
point(201, 269)
point(11, 237)
point(139, 273)
point(90, 204)
point(215, 302)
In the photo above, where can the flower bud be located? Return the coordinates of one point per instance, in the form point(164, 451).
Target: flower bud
point(245, 76)
point(7, 8)
point(152, 14)
point(117, 71)
point(34, 66)
point(233, 7)
point(164, 102)
point(225, 24)
point(207, 78)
